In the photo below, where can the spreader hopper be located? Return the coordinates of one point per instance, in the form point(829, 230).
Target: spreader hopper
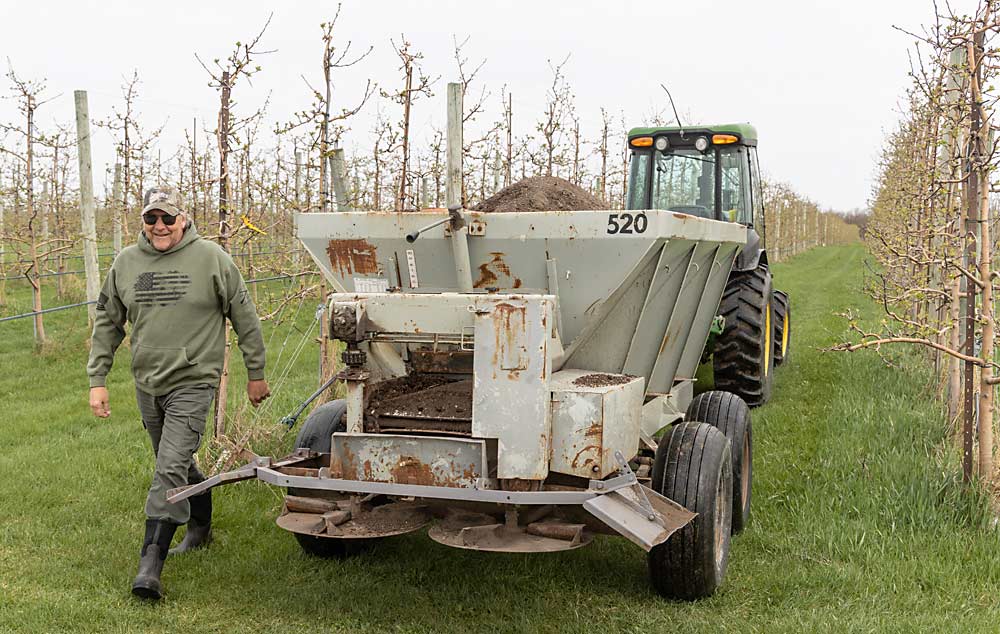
point(635, 292)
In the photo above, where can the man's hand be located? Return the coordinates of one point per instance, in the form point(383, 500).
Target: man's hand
point(99, 402)
point(257, 391)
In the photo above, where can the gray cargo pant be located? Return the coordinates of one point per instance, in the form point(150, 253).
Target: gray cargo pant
point(176, 423)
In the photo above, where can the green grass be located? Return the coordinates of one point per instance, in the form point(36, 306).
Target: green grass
point(859, 522)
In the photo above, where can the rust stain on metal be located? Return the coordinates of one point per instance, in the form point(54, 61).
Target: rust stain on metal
point(489, 272)
point(501, 266)
point(576, 459)
point(510, 324)
point(666, 340)
point(343, 467)
point(486, 276)
point(470, 474)
point(352, 256)
point(410, 470)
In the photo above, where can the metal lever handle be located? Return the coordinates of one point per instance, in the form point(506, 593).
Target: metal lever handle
point(412, 237)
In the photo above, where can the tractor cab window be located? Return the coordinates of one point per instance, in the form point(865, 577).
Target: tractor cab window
point(735, 201)
point(638, 182)
point(684, 181)
point(714, 184)
point(758, 190)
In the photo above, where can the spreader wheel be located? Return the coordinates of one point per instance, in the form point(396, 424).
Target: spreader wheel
point(317, 431)
point(730, 415)
point(322, 547)
point(693, 466)
point(316, 434)
point(320, 425)
point(782, 327)
point(743, 359)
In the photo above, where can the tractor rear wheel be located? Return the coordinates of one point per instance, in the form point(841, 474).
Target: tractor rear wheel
point(729, 414)
point(693, 467)
point(743, 359)
point(782, 327)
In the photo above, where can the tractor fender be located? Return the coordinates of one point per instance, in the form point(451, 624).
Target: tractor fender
point(752, 255)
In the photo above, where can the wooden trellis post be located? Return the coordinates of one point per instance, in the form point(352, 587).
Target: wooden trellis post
point(87, 208)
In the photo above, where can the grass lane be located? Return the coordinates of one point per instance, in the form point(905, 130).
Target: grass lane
point(857, 525)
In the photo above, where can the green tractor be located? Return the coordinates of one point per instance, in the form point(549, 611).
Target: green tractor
point(712, 172)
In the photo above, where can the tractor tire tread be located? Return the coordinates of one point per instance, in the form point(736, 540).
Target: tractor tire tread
point(739, 352)
point(689, 462)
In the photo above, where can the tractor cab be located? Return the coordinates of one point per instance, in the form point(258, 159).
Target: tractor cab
point(705, 171)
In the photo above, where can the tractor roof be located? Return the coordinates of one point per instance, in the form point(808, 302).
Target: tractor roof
point(746, 132)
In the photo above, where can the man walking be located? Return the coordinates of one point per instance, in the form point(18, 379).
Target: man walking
point(177, 290)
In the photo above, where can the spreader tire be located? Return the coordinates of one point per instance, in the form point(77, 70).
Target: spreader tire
point(693, 467)
point(729, 414)
point(323, 547)
point(316, 434)
point(742, 361)
point(320, 425)
point(782, 327)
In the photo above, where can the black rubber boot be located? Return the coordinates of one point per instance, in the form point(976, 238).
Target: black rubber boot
point(199, 528)
point(147, 584)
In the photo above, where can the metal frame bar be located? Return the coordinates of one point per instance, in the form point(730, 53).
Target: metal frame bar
point(263, 469)
point(271, 476)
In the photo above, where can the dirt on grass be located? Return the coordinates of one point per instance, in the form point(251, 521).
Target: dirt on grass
point(541, 193)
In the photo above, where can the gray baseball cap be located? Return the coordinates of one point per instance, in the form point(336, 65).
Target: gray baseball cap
point(164, 198)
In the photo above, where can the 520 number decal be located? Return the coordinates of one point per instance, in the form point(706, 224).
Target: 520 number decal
point(627, 223)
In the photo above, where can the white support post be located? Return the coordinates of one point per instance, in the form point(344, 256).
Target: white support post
point(453, 189)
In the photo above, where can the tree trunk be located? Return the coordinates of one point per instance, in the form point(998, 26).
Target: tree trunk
point(980, 134)
point(223, 136)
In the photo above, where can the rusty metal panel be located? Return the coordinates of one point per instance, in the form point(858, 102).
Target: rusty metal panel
point(511, 382)
point(593, 416)
point(398, 459)
point(353, 256)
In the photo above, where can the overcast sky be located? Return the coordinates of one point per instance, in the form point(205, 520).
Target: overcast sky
point(821, 81)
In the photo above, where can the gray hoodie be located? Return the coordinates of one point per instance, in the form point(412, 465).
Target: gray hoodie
point(177, 302)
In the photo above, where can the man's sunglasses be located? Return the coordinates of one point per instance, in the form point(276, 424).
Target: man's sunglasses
point(150, 219)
